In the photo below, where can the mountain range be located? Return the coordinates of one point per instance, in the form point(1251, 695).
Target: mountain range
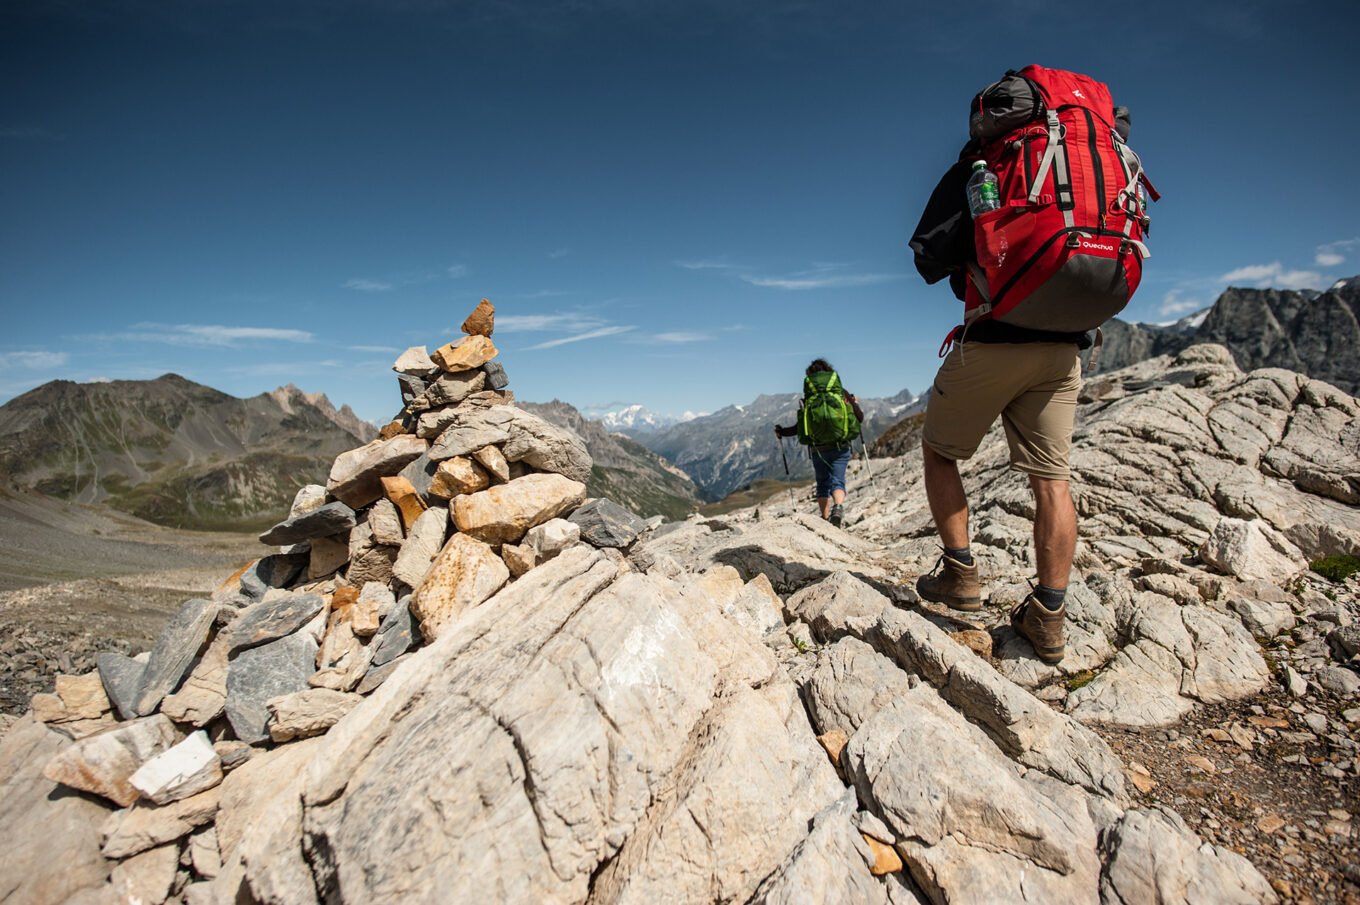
point(1314, 333)
point(624, 470)
point(633, 419)
point(736, 445)
point(172, 451)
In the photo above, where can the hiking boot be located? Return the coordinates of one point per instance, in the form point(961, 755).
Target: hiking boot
point(1041, 627)
point(837, 515)
point(953, 584)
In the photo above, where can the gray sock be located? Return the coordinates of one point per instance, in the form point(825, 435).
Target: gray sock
point(1051, 598)
point(963, 555)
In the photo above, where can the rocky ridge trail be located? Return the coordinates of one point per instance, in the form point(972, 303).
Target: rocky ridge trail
point(461, 678)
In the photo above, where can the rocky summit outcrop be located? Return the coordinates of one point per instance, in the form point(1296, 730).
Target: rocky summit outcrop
point(1313, 333)
point(540, 699)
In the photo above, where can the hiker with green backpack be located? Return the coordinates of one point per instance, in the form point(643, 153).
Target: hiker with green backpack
point(829, 418)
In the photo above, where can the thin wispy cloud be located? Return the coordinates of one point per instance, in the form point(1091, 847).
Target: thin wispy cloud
point(581, 337)
point(821, 280)
point(457, 271)
point(32, 361)
point(562, 321)
point(1273, 275)
point(708, 264)
point(559, 253)
point(376, 350)
point(202, 335)
point(362, 285)
point(674, 338)
point(1333, 254)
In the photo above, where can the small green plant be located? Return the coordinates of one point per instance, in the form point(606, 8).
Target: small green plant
point(802, 645)
point(1336, 568)
point(1080, 679)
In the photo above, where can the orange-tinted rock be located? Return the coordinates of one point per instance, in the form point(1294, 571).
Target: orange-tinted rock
point(469, 352)
point(391, 429)
point(456, 476)
point(403, 493)
point(482, 321)
point(886, 858)
point(465, 574)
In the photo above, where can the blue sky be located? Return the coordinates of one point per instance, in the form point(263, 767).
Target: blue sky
point(673, 203)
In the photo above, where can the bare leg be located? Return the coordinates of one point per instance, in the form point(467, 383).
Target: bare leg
point(1055, 530)
point(948, 505)
point(824, 505)
point(838, 496)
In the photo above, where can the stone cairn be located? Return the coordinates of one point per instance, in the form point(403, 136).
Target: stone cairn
point(461, 494)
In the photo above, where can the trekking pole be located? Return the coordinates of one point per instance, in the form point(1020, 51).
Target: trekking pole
point(793, 504)
point(864, 448)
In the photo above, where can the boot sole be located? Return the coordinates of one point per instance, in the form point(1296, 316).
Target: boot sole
point(1050, 654)
point(962, 604)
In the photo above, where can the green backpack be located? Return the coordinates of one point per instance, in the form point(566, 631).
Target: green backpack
point(826, 418)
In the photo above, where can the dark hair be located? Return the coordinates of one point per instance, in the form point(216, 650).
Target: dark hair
point(819, 364)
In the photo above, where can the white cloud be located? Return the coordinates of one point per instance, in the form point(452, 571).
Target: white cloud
point(827, 281)
point(590, 334)
point(1334, 254)
point(1174, 305)
point(100, 379)
point(376, 350)
point(32, 361)
point(361, 285)
point(675, 337)
point(1275, 276)
point(456, 271)
point(707, 264)
point(567, 322)
point(201, 335)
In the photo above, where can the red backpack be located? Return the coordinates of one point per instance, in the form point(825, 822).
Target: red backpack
point(1065, 250)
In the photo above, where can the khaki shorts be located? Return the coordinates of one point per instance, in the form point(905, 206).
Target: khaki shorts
point(1032, 386)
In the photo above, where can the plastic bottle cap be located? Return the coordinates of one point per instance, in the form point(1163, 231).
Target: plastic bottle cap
point(979, 164)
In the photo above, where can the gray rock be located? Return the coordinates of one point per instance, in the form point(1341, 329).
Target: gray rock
point(147, 877)
point(415, 360)
point(420, 473)
point(324, 521)
point(521, 436)
point(278, 570)
point(832, 860)
point(1339, 680)
point(308, 499)
point(1345, 641)
point(449, 389)
point(145, 826)
point(122, 678)
point(377, 675)
point(179, 644)
point(303, 714)
point(49, 840)
point(103, 764)
point(397, 634)
point(535, 707)
point(385, 523)
point(1153, 857)
point(202, 697)
point(604, 523)
point(270, 620)
point(495, 375)
point(411, 388)
point(355, 477)
point(424, 543)
point(256, 675)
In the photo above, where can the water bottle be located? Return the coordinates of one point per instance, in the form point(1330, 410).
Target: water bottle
point(983, 193)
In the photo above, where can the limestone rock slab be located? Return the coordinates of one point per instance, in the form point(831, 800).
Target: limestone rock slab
point(177, 646)
point(355, 477)
point(49, 840)
point(103, 764)
point(1252, 550)
point(469, 352)
point(303, 714)
point(504, 513)
point(522, 437)
point(143, 826)
point(323, 521)
point(415, 360)
point(424, 543)
point(185, 769)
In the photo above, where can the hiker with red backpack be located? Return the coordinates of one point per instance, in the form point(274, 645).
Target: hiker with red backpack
point(829, 418)
point(1041, 254)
